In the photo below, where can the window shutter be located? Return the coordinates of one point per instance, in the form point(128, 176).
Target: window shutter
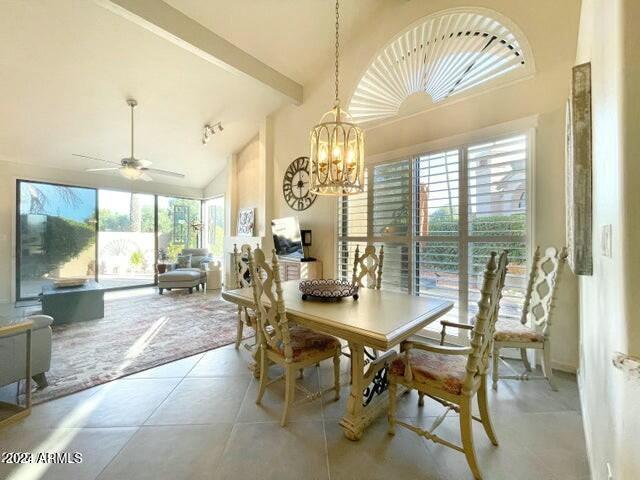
point(438, 216)
point(497, 185)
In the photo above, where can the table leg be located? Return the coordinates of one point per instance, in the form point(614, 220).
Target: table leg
point(352, 422)
point(361, 412)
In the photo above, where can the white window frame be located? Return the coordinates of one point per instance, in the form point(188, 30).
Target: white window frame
point(525, 126)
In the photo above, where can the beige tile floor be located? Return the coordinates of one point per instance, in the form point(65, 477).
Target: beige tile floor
point(196, 418)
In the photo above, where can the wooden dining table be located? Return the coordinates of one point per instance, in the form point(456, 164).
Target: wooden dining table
point(378, 319)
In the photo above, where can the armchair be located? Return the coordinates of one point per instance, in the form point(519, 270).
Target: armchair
point(454, 375)
point(194, 276)
point(12, 353)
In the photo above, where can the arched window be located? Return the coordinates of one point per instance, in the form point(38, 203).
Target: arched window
point(449, 53)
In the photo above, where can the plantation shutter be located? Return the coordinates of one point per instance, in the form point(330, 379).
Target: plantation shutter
point(497, 216)
point(390, 204)
point(353, 221)
point(437, 227)
point(438, 216)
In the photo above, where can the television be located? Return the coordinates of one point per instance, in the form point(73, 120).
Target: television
point(286, 238)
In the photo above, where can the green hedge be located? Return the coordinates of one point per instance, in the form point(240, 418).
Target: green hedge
point(64, 240)
point(443, 257)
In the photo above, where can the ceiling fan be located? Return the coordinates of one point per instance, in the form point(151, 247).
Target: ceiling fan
point(131, 167)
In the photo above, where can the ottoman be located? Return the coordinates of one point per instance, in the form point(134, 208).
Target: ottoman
point(179, 279)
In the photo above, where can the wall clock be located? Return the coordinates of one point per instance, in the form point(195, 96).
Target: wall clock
point(295, 185)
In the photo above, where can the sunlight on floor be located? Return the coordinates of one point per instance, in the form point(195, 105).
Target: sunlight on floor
point(66, 431)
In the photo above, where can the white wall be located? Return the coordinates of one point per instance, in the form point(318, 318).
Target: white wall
point(610, 317)
point(551, 28)
point(12, 171)
point(250, 179)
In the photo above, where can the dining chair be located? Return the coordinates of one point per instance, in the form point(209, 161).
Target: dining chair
point(536, 311)
point(242, 279)
point(533, 330)
point(452, 376)
point(367, 273)
point(369, 266)
point(282, 342)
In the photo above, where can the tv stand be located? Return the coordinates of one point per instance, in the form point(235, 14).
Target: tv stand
point(303, 269)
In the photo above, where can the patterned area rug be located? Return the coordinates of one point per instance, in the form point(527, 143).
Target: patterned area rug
point(136, 333)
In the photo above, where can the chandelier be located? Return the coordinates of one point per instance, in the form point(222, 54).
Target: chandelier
point(337, 146)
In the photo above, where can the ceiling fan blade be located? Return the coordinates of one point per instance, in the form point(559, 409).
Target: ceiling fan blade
point(144, 163)
point(95, 158)
point(145, 177)
point(101, 169)
point(163, 172)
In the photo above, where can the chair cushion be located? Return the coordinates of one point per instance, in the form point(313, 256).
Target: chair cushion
point(199, 256)
point(447, 372)
point(508, 330)
point(184, 261)
point(306, 342)
point(201, 273)
point(179, 275)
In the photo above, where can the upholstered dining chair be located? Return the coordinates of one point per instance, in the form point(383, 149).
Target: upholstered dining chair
point(242, 278)
point(533, 330)
point(282, 342)
point(454, 375)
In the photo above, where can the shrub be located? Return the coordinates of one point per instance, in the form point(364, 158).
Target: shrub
point(63, 240)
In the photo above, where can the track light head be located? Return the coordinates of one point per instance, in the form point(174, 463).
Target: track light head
point(210, 130)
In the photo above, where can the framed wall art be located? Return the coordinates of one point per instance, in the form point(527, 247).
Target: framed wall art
point(578, 173)
point(246, 222)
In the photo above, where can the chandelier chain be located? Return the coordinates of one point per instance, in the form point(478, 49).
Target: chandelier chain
point(337, 47)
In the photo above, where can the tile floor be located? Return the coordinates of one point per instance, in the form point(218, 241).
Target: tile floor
point(196, 418)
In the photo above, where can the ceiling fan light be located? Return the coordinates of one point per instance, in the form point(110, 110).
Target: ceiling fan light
point(131, 173)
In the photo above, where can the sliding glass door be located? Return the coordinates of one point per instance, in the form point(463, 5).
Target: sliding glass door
point(56, 235)
point(214, 226)
point(126, 240)
point(114, 237)
point(179, 224)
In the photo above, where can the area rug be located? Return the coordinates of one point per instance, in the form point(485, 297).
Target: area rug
point(136, 333)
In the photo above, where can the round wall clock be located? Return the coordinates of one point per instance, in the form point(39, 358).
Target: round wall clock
point(295, 185)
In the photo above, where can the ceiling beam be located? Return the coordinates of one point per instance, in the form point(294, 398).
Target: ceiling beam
point(173, 25)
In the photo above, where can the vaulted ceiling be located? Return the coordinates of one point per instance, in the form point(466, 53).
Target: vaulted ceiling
point(69, 65)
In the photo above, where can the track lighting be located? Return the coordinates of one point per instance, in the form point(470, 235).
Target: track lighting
point(210, 130)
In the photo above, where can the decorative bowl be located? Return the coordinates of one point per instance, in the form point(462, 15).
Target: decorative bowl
point(327, 289)
point(69, 282)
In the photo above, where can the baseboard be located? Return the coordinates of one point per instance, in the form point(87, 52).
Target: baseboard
point(563, 367)
point(586, 426)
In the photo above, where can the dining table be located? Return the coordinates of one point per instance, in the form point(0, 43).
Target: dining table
point(372, 325)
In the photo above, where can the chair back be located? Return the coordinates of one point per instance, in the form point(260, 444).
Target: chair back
point(485, 321)
point(240, 266)
point(199, 256)
point(368, 265)
point(541, 289)
point(273, 324)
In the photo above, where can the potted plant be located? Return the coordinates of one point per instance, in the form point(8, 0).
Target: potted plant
point(163, 257)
